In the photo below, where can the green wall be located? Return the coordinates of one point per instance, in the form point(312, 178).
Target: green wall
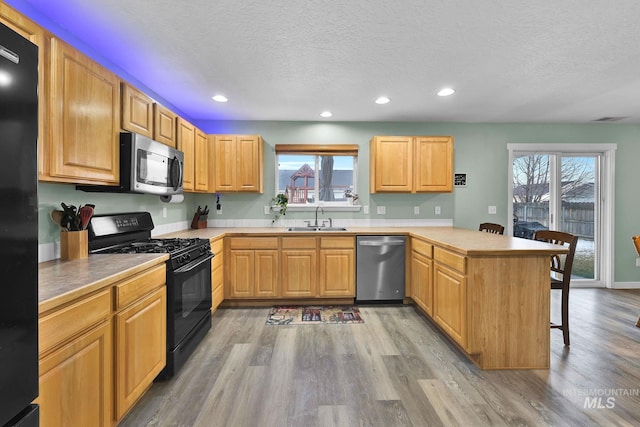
point(480, 152)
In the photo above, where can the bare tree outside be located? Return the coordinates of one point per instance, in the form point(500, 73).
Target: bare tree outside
point(532, 175)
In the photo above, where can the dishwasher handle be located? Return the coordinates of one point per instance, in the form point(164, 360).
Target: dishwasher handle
point(378, 243)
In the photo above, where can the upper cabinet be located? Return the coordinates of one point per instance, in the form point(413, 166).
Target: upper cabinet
point(201, 173)
point(411, 164)
point(164, 125)
point(186, 144)
point(81, 144)
point(238, 163)
point(195, 145)
point(137, 111)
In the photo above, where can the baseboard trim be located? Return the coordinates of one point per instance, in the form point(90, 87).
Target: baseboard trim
point(626, 285)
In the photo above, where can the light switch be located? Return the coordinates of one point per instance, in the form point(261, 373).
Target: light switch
point(381, 210)
point(164, 212)
point(492, 210)
point(365, 209)
point(437, 210)
point(267, 210)
point(416, 210)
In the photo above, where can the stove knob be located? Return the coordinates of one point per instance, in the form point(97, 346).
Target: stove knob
point(187, 257)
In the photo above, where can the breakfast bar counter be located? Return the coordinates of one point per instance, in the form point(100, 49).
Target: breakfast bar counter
point(488, 293)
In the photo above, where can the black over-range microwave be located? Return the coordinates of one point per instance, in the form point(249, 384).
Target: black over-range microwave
point(147, 167)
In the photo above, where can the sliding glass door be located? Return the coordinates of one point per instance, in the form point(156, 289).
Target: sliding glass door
point(561, 191)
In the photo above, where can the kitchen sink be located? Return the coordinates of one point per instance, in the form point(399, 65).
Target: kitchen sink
point(297, 229)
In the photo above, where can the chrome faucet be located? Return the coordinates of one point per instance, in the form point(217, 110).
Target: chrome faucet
point(316, 223)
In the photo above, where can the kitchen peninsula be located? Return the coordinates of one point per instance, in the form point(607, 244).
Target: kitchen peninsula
point(488, 293)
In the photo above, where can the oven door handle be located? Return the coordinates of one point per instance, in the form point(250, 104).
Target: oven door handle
point(187, 268)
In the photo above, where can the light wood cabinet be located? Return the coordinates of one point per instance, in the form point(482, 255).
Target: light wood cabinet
point(140, 341)
point(186, 144)
point(140, 347)
point(164, 125)
point(422, 275)
point(238, 163)
point(299, 273)
point(99, 353)
point(76, 362)
point(83, 119)
point(137, 111)
point(217, 273)
point(201, 172)
point(411, 164)
point(433, 170)
point(252, 267)
point(337, 267)
point(391, 164)
point(194, 144)
point(450, 295)
point(290, 267)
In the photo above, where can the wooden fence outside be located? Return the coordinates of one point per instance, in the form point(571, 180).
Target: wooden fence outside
point(577, 218)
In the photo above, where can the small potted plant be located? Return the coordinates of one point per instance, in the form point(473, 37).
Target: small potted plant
point(353, 197)
point(280, 201)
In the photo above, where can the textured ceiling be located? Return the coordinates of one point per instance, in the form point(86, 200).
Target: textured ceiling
point(568, 61)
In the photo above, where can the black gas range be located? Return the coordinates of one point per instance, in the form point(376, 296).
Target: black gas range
point(188, 277)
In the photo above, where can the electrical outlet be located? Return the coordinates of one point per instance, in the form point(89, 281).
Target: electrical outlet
point(267, 210)
point(381, 210)
point(492, 210)
point(219, 211)
point(437, 210)
point(365, 209)
point(416, 210)
point(638, 262)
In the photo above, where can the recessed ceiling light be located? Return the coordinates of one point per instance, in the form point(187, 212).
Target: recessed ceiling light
point(326, 114)
point(382, 100)
point(446, 91)
point(220, 98)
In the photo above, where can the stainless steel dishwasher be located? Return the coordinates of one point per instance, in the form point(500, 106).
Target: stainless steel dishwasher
point(380, 268)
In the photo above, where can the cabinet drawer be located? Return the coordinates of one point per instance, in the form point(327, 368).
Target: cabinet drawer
point(298, 243)
point(130, 290)
point(422, 247)
point(450, 259)
point(337, 242)
point(57, 327)
point(217, 261)
point(217, 246)
point(253, 243)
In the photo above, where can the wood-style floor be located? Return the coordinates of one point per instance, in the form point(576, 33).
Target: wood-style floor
point(397, 369)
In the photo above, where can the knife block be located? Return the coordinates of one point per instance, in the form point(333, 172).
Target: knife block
point(74, 245)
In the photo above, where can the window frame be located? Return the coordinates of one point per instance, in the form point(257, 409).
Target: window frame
point(317, 151)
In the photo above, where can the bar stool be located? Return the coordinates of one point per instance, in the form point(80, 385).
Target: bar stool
point(560, 266)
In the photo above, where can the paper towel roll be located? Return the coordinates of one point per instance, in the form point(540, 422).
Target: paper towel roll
point(175, 198)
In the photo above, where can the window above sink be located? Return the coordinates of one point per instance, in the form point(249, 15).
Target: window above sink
point(317, 175)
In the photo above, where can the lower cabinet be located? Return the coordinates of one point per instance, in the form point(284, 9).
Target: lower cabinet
point(337, 267)
point(76, 381)
point(252, 267)
point(217, 273)
point(299, 267)
point(421, 275)
point(450, 295)
point(141, 349)
point(101, 352)
point(290, 267)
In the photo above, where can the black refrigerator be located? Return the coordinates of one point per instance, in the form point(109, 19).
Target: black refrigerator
point(18, 230)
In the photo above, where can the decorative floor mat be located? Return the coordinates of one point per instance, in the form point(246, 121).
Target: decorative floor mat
point(314, 315)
